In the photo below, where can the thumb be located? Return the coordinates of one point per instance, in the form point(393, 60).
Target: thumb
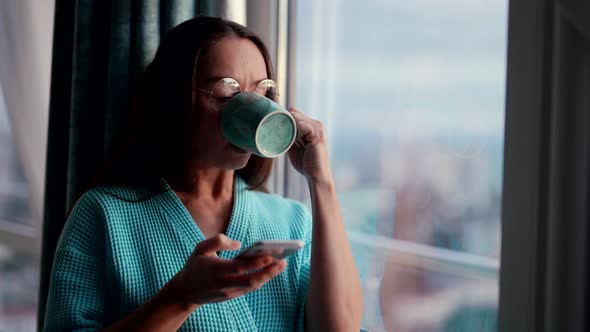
point(216, 243)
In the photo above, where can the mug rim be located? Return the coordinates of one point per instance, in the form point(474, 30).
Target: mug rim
point(292, 139)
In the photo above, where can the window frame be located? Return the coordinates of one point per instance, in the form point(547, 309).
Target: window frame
point(526, 153)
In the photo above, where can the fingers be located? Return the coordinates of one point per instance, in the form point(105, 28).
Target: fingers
point(216, 243)
point(230, 293)
point(253, 281)
point(308, 130)
point(298, 116)
point(244, 265)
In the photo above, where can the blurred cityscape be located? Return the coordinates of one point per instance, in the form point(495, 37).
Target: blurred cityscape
point(431, 195)
point(412, 96)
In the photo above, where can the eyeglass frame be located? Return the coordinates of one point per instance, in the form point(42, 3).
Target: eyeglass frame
point(210, 92)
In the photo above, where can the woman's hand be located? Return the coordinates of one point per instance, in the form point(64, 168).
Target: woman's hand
point(206, 278)
point(309, 153)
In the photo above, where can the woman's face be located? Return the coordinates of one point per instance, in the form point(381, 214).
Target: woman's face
point(230, 57)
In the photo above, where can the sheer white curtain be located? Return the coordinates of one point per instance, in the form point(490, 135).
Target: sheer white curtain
point(26, 34)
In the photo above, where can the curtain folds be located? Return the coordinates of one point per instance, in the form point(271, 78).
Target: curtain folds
point(100, 49)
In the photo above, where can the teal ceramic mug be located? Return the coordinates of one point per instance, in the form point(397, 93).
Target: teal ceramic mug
point(257, 124)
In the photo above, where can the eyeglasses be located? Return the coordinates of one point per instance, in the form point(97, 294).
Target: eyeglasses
point(226, 88)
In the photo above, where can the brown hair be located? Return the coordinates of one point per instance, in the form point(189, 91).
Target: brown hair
point(159, 144)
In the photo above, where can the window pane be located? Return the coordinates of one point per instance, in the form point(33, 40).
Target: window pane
point(19, 284)
point(19, 265)
point(412, 95)
point(14, 197)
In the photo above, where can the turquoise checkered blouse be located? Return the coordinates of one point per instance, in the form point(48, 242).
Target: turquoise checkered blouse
point(113, 255)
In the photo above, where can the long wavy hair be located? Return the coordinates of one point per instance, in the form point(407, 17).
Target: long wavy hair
point(159, 142)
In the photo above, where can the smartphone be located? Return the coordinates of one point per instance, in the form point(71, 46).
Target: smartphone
point(278, 249)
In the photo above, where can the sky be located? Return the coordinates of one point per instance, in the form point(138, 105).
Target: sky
point(439, 66)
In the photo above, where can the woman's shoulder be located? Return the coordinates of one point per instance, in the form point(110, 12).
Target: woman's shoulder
point(101, 206)
point(116, 196)
point(106, 202)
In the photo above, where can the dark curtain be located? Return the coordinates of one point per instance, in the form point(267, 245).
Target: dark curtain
point(545, 276)
point(100, 50)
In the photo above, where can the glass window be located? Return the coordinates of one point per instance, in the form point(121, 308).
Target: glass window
point(19, 263)
point(14, 203)
point(412, 96)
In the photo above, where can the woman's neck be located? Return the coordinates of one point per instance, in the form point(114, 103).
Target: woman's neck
point(208, 184)
point(209, 200)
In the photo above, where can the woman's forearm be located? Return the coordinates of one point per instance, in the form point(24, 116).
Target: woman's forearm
point(334, 296)
point(163, 312)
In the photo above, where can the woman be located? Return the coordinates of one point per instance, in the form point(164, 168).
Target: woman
point(151, 248)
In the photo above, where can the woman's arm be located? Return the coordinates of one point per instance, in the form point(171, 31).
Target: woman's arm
point(163, 312)
point(334, 295)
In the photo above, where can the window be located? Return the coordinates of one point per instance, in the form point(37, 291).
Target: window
point(19, 263)
point(25, 59)
point(412, 95)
